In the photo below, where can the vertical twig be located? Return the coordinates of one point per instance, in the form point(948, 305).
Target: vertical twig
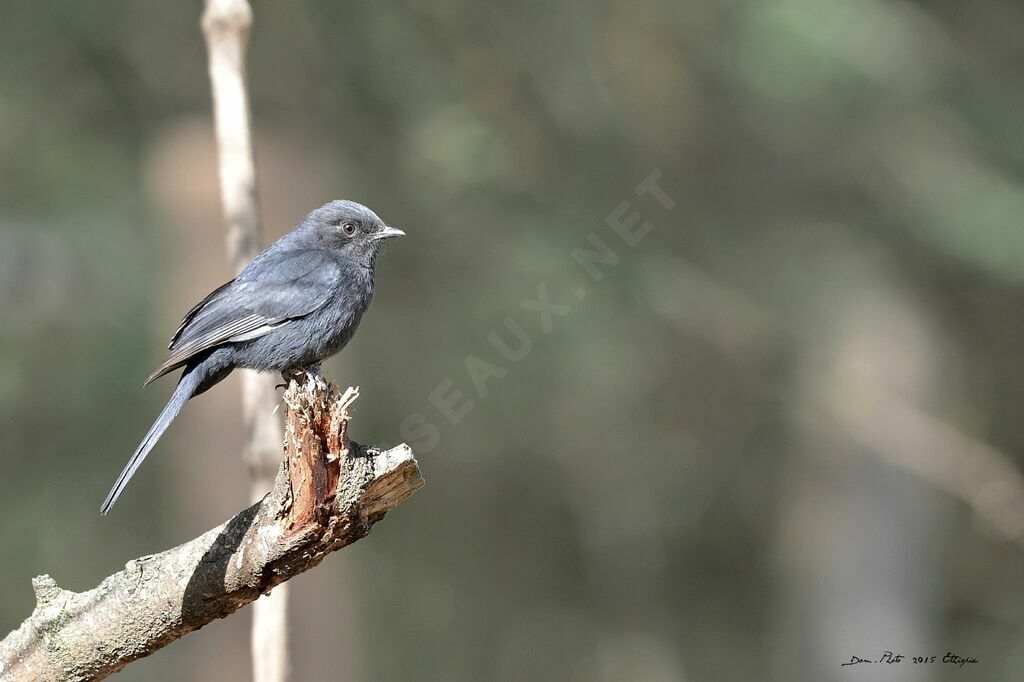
point(226, 25)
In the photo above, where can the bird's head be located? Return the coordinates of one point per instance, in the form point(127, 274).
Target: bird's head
point(351, 229)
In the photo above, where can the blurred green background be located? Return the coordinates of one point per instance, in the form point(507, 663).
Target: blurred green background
point(782, 430)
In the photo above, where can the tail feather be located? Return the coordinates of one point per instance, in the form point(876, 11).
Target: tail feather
point(186, 388)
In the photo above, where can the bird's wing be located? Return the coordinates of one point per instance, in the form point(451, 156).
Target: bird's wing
point(285, 287)
point(187, 317)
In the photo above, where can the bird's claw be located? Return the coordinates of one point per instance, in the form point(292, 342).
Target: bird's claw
point(303, 374)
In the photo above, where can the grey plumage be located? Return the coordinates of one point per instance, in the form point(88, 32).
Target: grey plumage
point(297, 303)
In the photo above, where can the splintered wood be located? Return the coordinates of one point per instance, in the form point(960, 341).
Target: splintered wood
point(316, 441)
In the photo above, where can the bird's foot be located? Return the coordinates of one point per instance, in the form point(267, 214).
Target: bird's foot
point(304, 374)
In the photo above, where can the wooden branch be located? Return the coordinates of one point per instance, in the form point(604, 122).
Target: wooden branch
point(328, 493)
point(226, 25)
point(901, 434)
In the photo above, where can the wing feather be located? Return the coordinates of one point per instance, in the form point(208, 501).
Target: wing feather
point(285, 287)
point(187, 317)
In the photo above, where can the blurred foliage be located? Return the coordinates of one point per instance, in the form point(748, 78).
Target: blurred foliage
point(663, 488)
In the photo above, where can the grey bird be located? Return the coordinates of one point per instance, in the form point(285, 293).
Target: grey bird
point(296, 304)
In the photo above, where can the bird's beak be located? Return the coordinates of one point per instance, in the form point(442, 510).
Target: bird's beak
point(388, 233)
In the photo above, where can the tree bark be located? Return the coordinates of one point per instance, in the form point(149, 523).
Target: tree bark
point(226, 25)
point(327, 494)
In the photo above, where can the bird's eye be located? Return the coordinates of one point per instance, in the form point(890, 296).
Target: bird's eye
point(349, 229)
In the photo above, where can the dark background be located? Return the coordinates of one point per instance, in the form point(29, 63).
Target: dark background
point(782, 430)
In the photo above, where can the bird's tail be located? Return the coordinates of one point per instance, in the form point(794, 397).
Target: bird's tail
point(187, 386)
